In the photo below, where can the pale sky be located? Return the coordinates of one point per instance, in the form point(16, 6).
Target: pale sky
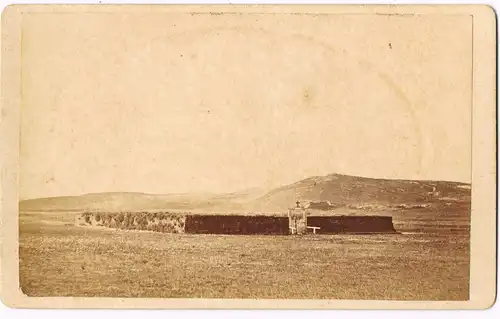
point(165, 103)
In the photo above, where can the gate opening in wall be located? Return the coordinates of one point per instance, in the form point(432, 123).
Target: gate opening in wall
point(297, 217)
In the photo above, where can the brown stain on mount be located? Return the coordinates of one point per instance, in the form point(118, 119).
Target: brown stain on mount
point(307, 95)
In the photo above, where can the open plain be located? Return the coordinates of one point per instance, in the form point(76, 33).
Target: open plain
point(59, 259)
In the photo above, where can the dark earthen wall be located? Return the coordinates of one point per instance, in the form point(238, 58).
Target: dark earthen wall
point(233, 224)
point(243, 225)
point(351, 224)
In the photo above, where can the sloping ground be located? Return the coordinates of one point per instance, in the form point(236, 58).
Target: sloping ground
point(335, 190)
point(329, 192)
point(138, 201)
point(113, 202)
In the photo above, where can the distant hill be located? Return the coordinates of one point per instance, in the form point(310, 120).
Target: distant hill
point(336, 190)
point(123, 201)
point(112, 201)
point(321, 193)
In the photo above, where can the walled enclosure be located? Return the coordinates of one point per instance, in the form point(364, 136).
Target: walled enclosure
point(167, 222)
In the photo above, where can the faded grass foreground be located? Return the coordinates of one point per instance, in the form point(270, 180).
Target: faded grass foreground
point(59, 259)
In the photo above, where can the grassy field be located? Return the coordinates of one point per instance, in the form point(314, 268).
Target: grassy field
point(59, 259)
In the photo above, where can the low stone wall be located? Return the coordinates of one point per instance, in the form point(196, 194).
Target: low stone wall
point(351, 224)
point(159, 222)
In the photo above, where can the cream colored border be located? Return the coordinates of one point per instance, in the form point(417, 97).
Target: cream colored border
point(483, 224)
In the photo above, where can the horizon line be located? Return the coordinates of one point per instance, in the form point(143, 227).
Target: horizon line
point(232, 192)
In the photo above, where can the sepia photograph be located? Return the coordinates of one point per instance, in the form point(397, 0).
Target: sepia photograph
point(250, 153)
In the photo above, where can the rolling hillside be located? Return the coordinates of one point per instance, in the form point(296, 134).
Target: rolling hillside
point(335, 190)
point(326, 193)
point(125, 201)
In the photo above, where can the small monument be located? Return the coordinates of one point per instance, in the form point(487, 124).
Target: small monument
point(297, 217)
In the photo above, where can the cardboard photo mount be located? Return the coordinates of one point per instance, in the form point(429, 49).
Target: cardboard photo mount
point(483, 215)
